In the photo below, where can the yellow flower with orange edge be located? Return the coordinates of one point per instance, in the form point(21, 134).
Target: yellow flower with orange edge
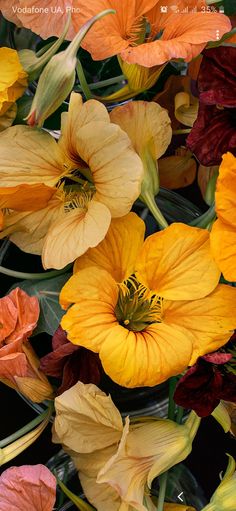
point(13, 83)
point(149, 308)
point(91, 175)
point(224, 497)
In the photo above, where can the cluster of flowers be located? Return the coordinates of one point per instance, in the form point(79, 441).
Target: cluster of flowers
point(142, 309)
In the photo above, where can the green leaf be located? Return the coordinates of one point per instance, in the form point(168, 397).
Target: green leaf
point(47, 292)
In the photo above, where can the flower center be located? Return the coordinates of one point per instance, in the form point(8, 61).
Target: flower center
point(137, 307)
point(77, 199)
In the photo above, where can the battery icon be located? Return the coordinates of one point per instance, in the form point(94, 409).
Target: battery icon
point(221, 9)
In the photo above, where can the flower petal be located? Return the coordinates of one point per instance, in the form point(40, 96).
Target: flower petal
point(29, 156)
point(46, 19)
point(79, 114)
point(110, 34)
point(86, 419)
point(116, 169)
point(223, 247)
point(210, 320)
point(118, 252)
point(147, 358)
point(146, 124)
point(26, 197)
point(74, 234)
point(28, 486)
point(27, 314)
point(184, 36)
point(225, 194)
point(14, 364)
point(177, 171)
point(8, 317)
point(177, 264)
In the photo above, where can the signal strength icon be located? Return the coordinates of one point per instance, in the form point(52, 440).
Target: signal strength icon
point(184, 10)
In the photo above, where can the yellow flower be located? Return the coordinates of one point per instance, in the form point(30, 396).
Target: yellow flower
point(177, 507)
point(13, 81)
point(224, 497)
point(105, 179)
point(167, 310)
point(117, 463)
point(223, 234)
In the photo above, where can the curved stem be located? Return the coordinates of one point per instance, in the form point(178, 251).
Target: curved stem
point(204, 220)
point(152, 206)
point(34, 276)
point(104, 83)
point(25, 429)
point(83, 82)
point(181, 132)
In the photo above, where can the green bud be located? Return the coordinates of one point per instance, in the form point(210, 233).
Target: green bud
point(58, 77)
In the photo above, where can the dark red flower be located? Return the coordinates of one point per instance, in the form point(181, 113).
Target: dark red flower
point(214, 131)
point(206, 383)
point(70, 363)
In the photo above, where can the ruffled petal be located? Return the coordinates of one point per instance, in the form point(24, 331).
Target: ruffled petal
point(79, 114)
point(74, 234)
point(177, 263)
point(48, 18)
point(27, 487)
point(89, 411)
point(118, 252)
point(116, 169)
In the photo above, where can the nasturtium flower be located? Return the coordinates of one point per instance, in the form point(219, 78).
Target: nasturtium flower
point(206, 383)
point(19, 365)
point(148, 308)
point(27, 487)
point(142, 34)
point(223, 233)
point(104, 175)
point(117, 463)
point(44, 17)
point(13, 82)
point(224, 497)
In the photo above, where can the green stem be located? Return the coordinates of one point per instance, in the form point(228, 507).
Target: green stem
point(162, 492)
point(83, 82)
point(22, 431)
point(171, 416)
point(204, 220)
point(34, 276)
point(150, 202)
point(104, 83)
point(179, 416)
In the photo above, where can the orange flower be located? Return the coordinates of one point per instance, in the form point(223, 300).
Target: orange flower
point(167, 310)
point(171, 35)
point(18, 363)
point(44, 17)
point(223, 234)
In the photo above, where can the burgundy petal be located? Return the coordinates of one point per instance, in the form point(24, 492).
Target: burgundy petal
point(228, 389)
point(217, 357)
point(85, 366)
point(213, 134)
point(217, 76)
point(59, 338)
point(199, 388)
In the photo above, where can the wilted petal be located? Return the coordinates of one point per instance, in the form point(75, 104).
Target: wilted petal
point(27, 487)
point(27, 314)
point(87, 410)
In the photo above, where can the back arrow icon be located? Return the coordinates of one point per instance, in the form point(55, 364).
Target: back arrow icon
point(179, 496)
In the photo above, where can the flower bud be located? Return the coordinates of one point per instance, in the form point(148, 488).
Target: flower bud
point(58, 77)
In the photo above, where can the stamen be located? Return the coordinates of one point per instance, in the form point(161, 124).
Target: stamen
point(137, 306)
